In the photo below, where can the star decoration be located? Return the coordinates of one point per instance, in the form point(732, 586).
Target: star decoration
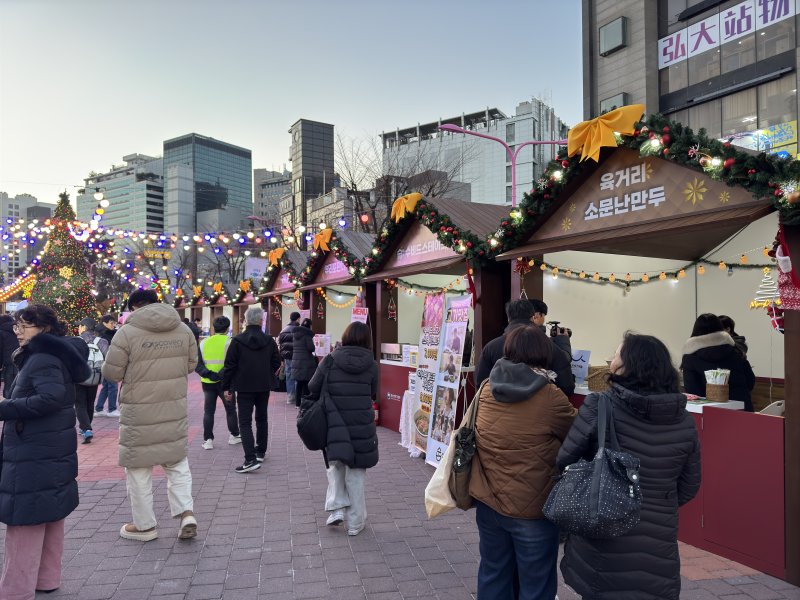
point(572, 207)
point(66, 285)
point(66, 272)
point(566, 224)
point(648, 170)
point(694, 191)
point(59, 300)
point(724, 197)
point(694, 151)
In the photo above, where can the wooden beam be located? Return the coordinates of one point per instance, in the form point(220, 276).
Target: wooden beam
point(791, 351)
point(493, 287)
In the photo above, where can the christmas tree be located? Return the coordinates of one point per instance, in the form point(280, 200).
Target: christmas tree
point(62, 280)
point(767, 293)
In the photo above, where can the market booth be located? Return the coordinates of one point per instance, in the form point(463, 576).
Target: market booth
point(634, 205)
point(220, 305)
point(243, 300)
point(277, 290)
point(413, 259)
point(198, 302)
point(180, 304)
point(329, 288)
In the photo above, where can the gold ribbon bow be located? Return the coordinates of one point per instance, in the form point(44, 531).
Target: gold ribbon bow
point(323, 239)
point(244, 285)
point(197, 289)
point(405, 205)
point(218, 288)
point(276, 255)
point(588, 137)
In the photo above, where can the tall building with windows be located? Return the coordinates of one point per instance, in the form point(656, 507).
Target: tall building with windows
point(482, 164)
point(17, 252)
point(202, 174)
point(269, 187)
point(311, 153)
point(729, 67)
point(135, 193)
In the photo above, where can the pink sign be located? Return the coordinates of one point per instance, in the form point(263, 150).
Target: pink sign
point(333, 270)
point(420, 245)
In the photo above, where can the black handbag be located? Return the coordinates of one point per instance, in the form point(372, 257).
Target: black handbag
point(312, 418)
point(463, 453)
point(600, 498)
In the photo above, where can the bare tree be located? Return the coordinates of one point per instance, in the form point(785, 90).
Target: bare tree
point(434, 171)
point(160, 263)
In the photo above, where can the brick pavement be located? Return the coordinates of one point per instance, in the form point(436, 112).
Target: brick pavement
point(263, 535)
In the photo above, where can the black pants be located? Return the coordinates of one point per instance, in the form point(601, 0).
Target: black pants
point(247, 401)
point(212, 391)
point(300, 390)
point(84, 405)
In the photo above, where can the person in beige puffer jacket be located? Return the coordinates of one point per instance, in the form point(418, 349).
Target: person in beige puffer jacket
point(152, 355)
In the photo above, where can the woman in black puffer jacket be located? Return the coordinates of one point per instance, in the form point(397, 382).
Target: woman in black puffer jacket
point(652, 424)
point(38, 486)
point(303, 361)
point(352, 438)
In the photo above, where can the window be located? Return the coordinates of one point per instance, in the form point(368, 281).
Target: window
point(613, 102)
point(703, 66)
point(777, 101)
point(707, 116)
point(775, 39)
point(508, 194)
point(508, 173)
point(739, 112)
point(510, 133)
point(612, 36)
point(674, 78)
point(739, 53)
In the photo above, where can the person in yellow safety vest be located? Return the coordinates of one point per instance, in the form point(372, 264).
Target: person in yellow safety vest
point(211, 359)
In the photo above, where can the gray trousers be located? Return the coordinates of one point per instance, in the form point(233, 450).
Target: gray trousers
point(346, 491)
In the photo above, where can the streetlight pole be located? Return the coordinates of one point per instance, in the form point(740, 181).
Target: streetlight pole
point(512, 154)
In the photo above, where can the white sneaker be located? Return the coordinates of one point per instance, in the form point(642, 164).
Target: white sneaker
point(113, 413)
point(208, 445)
point(234, 439)
point(101, 413)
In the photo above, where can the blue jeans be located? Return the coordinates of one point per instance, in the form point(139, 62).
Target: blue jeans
point(287, 370)
point(107, 390)
point(529, 544)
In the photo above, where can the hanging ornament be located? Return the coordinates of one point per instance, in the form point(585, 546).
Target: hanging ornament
point(522, 266)
point(276, 313)
point(391, 310)
point(320, 310)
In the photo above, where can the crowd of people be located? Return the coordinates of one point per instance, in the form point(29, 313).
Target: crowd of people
point(527, 432)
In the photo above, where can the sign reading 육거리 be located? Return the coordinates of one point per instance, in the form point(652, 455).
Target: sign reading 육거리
point(628, 190)
point(726, 26)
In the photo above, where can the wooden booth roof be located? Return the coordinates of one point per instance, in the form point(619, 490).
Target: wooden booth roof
point(326, 269)
point(417, 249)
point(643, 206)
point(292, 263)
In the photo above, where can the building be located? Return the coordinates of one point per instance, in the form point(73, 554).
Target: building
point(135, 193)
point(311, 153)
point(727, 67)
point(269, 188)
point(482, 164)
point(18, 251)
point(200, 174)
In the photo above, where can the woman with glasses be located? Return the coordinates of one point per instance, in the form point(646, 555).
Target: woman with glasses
point(38, 486)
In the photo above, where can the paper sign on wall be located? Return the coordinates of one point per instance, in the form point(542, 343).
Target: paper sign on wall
point(322, 345)
point(359, 314)
point(305, 314)
point(580, 365)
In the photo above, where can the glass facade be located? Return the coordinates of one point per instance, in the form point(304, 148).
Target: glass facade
point(222, 173)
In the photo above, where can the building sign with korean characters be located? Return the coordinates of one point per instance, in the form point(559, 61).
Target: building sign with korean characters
point(419, 245)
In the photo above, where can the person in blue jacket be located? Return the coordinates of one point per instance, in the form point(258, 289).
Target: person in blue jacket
point(38, 486)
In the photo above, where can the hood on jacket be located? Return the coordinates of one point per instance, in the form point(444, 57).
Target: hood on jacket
point(157, 318)
point(655, 408)
point(66, 349)
point(253, 337)
point(514, 382)
point(301, 331)
point(353, 359)
point(718, 338)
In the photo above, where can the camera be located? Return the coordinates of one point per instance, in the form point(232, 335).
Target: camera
point(556, 330)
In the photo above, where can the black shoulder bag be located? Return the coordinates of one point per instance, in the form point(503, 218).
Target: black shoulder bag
point(600, 498)
point(312, 420)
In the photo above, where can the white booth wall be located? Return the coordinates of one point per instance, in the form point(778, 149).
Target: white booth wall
point(337, 319)
point(599, 314)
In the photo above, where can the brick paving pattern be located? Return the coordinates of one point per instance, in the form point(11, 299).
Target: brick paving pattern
point(263, 535)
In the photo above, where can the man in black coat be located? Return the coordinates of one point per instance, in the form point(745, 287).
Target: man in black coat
point(285, 341)
point(8, 343)
point(522, 312)
point(250, 365)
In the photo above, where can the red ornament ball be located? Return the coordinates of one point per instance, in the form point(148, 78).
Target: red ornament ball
point(729, 162)
point(546, 196)
point(727, 144)
point(469, 244)
point(665, 151)
point(652, 135)
point(565, 164)
point(751, 171)
point(665, 130)
point(778, 193)
point(666, 140)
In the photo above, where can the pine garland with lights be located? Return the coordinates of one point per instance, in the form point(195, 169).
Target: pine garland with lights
point(62, 282)
point(341, 252)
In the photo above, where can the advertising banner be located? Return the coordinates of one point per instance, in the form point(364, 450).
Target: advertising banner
point(448, 377)
point(425, 377)
point(255, 268)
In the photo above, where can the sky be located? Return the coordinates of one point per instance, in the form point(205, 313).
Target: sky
point(85, 82)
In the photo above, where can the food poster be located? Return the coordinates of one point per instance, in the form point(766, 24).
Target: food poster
point(322, 345)
point(428, 362)
point(448, 378)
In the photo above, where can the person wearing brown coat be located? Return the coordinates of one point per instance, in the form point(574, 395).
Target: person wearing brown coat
point(522, 419)
point(152, 355)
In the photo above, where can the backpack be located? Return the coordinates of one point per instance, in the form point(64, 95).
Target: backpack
point(95, 362)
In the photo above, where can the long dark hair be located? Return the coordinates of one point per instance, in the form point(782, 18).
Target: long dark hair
point(357, 334)
point(647, 366)
point(705, 324)
point(41, 316)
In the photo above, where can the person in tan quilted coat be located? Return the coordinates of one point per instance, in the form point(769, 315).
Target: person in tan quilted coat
point(152, 355)
point(522, 420)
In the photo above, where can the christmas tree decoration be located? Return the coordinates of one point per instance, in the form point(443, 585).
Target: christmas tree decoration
point(62, 281)
point(391, 310)
point(767, 293)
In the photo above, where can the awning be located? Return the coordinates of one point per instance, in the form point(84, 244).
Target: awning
point(434, 267)
point(337, 281)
